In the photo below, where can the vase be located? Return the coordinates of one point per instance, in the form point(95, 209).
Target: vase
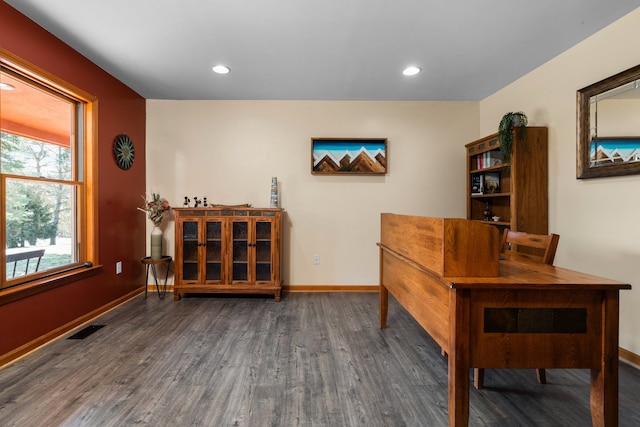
point(156, 243)
point(274, 192)
point(487, 212)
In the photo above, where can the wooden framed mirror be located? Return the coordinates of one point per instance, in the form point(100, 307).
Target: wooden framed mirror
point(608, 127)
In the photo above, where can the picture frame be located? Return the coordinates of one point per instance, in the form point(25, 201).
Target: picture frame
point(607, 130)
point(361, 156)
point(491, 182)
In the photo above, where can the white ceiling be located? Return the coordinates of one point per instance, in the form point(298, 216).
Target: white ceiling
point(322, 49)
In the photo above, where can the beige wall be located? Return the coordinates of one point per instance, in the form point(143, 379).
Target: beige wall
point(597, 219)
point(229, 150)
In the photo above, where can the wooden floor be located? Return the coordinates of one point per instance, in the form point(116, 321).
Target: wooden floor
point(314, 359)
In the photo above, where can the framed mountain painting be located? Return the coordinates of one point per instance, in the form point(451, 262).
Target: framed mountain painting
point(330, 156)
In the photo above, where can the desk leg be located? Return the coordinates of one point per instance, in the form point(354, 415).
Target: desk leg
point(604, 381)
point(384, 295)
point(384, 306)
point(459, 316)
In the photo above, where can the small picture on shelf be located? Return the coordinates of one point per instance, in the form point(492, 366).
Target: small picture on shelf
point(491, 182)
point(489, 159)
point(495, 158)
point(477, 187)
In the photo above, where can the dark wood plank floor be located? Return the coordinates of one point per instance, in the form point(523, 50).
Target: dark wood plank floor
point(310, 360)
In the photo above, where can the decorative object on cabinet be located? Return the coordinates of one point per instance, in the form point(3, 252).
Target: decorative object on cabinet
point(224, 249)
point(123, 151)
point(274, 192)
point(197, 202)
point(522, 200)
point(348, 156)
point(509, 121)
point(608, 141)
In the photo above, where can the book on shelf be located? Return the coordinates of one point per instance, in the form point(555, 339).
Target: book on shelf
point(489, 159)
point(477, 184)
point(491, 182)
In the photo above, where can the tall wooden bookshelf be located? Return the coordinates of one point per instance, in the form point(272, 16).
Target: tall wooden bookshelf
point(521, 200)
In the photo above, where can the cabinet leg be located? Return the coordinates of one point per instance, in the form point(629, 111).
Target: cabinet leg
point(541, 375)
point(478, 378)
point(176, 296)
point(277, 296)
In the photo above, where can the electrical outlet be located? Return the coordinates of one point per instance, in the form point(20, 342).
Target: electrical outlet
point(118, 267)
point(316, 259)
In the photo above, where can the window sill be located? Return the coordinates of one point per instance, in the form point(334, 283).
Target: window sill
point(38, 286)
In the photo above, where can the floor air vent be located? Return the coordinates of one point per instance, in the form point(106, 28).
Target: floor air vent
point(83, 333)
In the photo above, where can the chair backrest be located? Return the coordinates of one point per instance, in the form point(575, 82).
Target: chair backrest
point(544, 245)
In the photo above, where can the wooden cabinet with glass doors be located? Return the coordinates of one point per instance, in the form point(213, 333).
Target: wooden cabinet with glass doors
point(228, 250)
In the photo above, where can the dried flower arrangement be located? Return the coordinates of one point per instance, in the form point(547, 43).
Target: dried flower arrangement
point(155, 208)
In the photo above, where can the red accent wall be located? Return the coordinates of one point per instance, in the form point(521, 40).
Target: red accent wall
point(122, 228)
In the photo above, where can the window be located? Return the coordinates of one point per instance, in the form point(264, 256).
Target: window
point(46, 176)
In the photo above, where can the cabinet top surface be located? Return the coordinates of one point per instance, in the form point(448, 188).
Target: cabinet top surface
point(227, 212)
point(228, 208)
point(495, 136)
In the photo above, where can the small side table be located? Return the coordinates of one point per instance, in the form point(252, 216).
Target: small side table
point(151, 263)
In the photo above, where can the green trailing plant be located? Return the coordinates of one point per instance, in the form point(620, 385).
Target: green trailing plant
point(505, 132)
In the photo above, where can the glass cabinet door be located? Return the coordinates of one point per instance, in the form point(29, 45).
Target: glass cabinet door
point(263, 251)
point(240, 251)
point(190, 245)
point(213, 257)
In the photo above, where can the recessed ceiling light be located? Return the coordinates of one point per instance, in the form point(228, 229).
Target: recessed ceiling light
point(411, 71)
point(221, 69)
point(6, 86)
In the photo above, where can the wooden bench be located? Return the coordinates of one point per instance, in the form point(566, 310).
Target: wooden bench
point(24, 255)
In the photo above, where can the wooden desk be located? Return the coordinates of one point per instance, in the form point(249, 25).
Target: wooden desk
point(529, 316)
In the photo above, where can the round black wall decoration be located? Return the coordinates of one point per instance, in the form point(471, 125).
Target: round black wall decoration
point(123, 151)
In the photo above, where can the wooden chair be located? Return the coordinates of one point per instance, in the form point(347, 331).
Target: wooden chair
point(540, 248)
